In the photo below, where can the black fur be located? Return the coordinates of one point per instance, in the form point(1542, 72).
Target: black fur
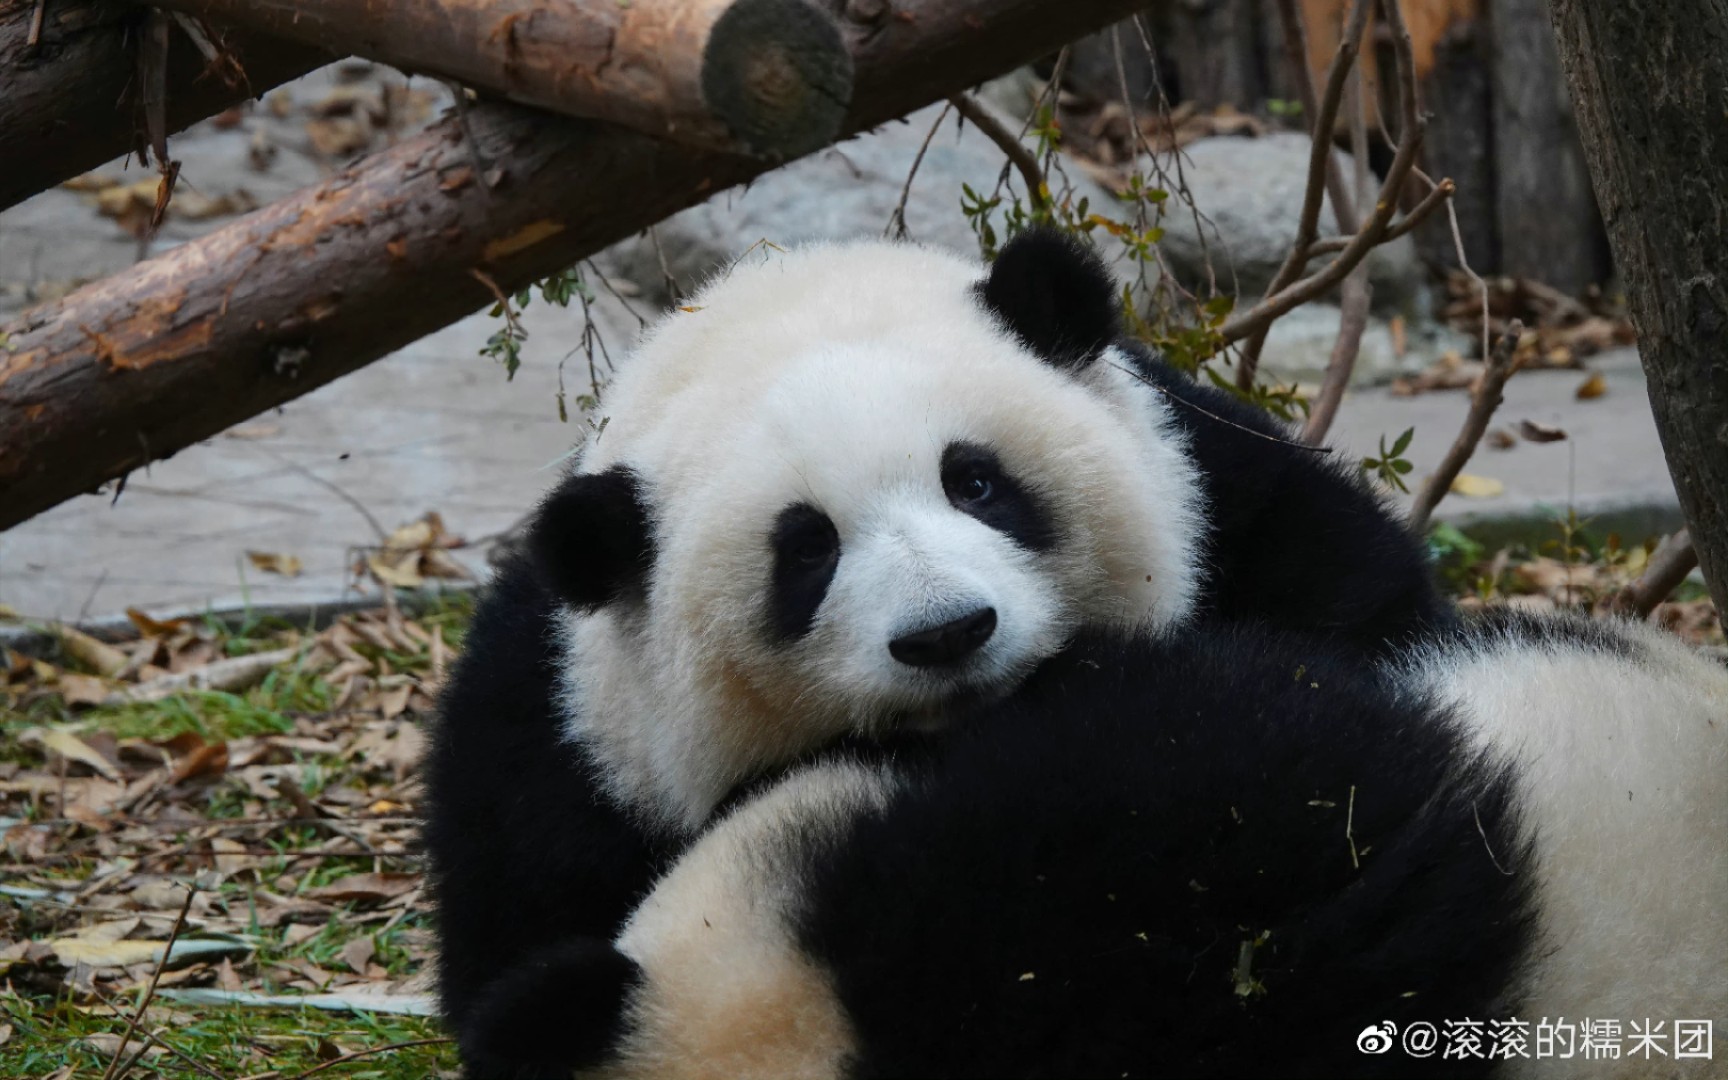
point(806, 552)
point(1044, 287)
point(1000, 502)
point(592, 538)
point(1297, 538)
point(1066, 888)
point(524, 850)
point(558, 1010)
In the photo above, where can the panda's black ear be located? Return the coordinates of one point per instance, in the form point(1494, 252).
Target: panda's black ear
point(1054, 292)
point(592, 538)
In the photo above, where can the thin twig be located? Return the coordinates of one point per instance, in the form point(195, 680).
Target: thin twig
point(1419, 213)
point(606, 283)
point(896, 226)
point(1486, 846)
point(1672, 560)
point(369, 1051)
point(36, 16)
point(1185, 403)
point(1486, 398)
point(155, 1038)
point(334, 489)
point(994, 130)
point(674, 294)
point(1350, 829)
point(150, 991)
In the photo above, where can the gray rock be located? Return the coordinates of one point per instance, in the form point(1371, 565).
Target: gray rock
point(844, 192)
point(1299, 347)
point(1251, 190)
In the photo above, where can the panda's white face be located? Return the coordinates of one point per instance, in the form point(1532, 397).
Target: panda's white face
point(884, 545)
point(870, 506)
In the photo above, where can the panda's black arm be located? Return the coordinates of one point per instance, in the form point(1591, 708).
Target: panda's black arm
point(1297, 538)
point(1071, 888)
point(523, 849)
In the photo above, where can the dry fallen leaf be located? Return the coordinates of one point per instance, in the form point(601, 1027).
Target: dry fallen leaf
point(70, 747)
point(1540, 433)
point(1477, 487)
point(366, 888)
point(276, 563)
point(358, 953)
point(102, 657)
point(94, 952)
point(1593, 387)
point(78, 689)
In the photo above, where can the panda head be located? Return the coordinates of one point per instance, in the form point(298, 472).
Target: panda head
point(851, 489)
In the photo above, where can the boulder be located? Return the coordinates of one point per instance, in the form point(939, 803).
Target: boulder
point(1250, 192)
point(847, 191)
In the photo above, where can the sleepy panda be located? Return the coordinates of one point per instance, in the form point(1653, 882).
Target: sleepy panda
point(849, 495)
point(1216, 853)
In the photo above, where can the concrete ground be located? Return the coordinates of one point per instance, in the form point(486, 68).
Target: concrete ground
point(437, 427)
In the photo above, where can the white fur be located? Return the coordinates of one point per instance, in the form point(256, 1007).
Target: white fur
point(837, 375)
point(727, 993)
point(1621, 766)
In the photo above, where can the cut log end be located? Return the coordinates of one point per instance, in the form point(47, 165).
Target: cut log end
point(777, 72)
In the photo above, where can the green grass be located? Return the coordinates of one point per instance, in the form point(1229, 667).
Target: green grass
point(231, 1042)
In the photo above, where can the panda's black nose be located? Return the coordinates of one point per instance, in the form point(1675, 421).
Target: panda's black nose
point(945, 644)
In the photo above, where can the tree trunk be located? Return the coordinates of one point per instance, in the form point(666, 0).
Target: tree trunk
point(1549, 226)
point(1650, 84)
point(286, 299)
point(771, 77)
point(1460, 145)
point(69, 102)
point(1216, 46)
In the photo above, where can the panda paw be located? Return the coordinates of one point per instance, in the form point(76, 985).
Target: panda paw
point(560, 1011)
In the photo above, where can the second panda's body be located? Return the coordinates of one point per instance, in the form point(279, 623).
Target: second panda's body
point(1208, 855)
point(852, 494)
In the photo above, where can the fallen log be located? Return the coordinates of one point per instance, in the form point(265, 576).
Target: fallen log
point(770, 77)
point(282, 301)
point(69, 101)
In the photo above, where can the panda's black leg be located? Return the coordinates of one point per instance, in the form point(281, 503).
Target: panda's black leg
point(544, 1018)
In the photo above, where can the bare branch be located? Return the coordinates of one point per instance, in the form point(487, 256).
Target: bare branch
point(1358, 291)
point(1324, 117)
point(997, 132)
point(1483, 401)
point(1353, 320)
point(1372, 233)
point(1672, 560)
point(1441, 193)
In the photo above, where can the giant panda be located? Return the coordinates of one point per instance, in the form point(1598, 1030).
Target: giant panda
point(849, 494)
point(1211, 853)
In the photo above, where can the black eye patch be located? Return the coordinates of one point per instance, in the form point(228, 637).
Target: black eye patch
point(976, 485)
point(806, 552)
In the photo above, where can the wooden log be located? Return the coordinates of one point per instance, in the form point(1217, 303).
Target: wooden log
point(770, 77)
point(282, 301)
point(1650, 84)
point(69, 102)
point(1549, 227)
